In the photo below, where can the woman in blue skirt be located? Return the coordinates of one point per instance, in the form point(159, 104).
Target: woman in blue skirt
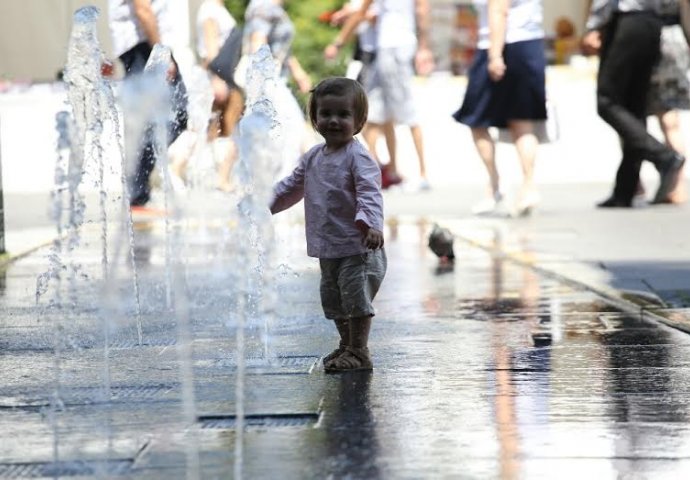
point(506, 89)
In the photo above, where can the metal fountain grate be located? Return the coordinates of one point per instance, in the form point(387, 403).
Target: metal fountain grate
point(85, 396)
point(284, 365)
point(154, 342)
point(77, 468)
point(259, 420)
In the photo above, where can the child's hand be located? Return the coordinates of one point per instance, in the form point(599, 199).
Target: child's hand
point(373, 239)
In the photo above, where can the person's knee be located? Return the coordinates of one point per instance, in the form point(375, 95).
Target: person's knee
point(604, 105)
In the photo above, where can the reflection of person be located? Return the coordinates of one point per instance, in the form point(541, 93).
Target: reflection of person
point(627, 35)
point(214, 25)
point(136, 26)
point(350, 408)
point(401, 45)
point(267, 23)
point(343, 206)
point(507, 89)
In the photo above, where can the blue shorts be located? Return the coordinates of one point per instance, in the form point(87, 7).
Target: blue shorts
point(349, 284)
point(519, 95)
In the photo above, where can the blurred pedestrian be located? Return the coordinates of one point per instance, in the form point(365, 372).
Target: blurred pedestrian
point(358, 68)
point(343, 206)
point(267, 23)
point(401, 46)
point(506, 88)
point(214, 26)
point(135, 27)
point(669, 94)
point(627, 35)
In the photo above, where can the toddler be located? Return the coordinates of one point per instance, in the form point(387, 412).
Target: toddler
point(343, 207)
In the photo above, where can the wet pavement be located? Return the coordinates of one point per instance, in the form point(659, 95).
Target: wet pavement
point(520, 361)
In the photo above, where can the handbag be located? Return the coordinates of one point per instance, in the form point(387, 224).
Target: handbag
point(230, 59)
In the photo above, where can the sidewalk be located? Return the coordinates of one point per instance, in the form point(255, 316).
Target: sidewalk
point(497, 368)
point(636, 258)
point(544, 352)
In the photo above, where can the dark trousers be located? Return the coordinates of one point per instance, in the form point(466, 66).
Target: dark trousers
point(134, 61)
point(629, 53)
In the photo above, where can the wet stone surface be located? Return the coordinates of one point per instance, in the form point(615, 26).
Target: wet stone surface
point(484, 370)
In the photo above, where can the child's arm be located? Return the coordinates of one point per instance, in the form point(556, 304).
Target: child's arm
point(369, 216)
point(289, 190)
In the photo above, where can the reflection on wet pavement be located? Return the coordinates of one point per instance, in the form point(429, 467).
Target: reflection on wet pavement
point(483, 369)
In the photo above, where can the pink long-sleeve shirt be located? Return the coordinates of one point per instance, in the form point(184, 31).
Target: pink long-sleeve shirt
point(339, 188)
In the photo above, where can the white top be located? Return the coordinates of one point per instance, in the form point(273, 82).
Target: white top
point(212, 10)
point(396, 24)
point(125, 30)
point(366, 32)
point(525, 22)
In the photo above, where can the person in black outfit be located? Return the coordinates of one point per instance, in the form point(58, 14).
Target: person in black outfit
point(627, 36)
point(138, 182)
point(135, 30)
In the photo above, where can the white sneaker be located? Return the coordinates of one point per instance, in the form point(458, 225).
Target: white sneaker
point(527, 203)
point(490, 206)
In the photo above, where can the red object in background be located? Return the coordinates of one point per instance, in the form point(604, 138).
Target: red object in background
point(326, 17)
point(107, 68)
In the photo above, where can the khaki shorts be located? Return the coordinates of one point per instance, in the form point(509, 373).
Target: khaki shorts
point(388, 84)
point(349, 284)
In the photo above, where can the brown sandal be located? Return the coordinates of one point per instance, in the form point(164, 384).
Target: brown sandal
point(334, 354)
point(352, 359)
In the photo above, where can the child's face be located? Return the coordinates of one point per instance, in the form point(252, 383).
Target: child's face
point(335, 119)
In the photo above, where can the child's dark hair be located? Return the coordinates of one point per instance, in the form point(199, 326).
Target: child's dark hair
point(345, 87)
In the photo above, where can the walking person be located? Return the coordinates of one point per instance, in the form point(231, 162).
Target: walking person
point(136, 26)
point(402, 41)
point(267, 23)
point(358, 68)
point(214, 26)
point(627, 34)
point(507, 89)
point(669, 94)
point(343, 207)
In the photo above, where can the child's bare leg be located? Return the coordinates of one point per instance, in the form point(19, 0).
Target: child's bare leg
point(359, 332)
point(356, 355)
point(343, 326)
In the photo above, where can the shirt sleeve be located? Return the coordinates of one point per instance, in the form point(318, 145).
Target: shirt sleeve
point(289, 190)
point(261, 21)
point(600, 14)
point(369, 199)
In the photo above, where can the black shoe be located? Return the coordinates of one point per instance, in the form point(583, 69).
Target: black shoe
point(613, 202)
point(668, 172)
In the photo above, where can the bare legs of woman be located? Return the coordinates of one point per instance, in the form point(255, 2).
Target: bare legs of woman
point(231, 105)
point(671, 128)
point(371, 134)
point(486, 148)
point(526, 144)
point(669, 122)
